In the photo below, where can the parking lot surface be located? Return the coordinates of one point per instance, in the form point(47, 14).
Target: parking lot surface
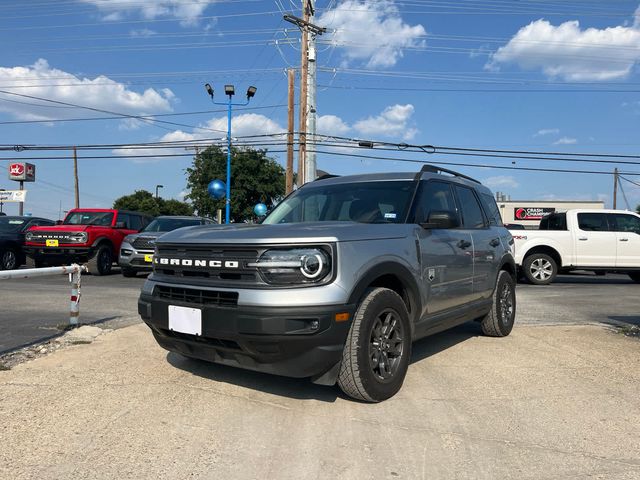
point(553, 400)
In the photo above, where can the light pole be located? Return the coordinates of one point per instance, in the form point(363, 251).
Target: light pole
point(229, 90)
point(157, 187)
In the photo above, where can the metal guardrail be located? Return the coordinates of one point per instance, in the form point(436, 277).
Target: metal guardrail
point(75, 274)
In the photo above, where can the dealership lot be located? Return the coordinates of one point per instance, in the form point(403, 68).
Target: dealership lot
point(556, 399)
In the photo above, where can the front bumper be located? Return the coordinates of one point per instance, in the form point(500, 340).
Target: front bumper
point(63, 253)
point(136, 260)
point(289, 341)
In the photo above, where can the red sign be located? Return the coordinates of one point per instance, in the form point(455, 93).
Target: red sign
point(25, 172)
point(531, 213)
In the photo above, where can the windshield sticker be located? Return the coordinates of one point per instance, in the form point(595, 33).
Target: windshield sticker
point(390, 215)
point(16, 222)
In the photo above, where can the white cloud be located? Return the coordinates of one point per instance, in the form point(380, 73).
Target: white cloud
point(547, 131)
point(187, 11)
point(331, 125)
point(241, 126)
point(100, 92)
point(566, 141)
point(142, 33)
point(570, 53)
point(392, 122)
point(501, 181)
point(370, 32)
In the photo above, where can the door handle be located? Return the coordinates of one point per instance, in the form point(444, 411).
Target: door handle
point(463, 244)
point(495, 242)
point(583, 238)
point(624, 239)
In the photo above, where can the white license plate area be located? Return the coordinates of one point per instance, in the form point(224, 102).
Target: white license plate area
point(185, 320)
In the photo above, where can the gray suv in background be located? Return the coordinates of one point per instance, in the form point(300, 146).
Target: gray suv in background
point(136, 251)
point(338, 280)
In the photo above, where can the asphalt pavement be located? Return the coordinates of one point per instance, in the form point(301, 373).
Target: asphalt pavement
point(33, 309)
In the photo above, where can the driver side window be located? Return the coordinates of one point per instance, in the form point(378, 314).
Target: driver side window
point(434, 196)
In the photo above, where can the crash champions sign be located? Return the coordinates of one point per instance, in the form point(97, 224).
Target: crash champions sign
point(531, 213)
point(22, 172)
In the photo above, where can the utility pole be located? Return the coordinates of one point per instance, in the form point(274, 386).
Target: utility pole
point(21, 204)
point(307, 159)
point(290, 127)
point(615, 188)
point(75, 176)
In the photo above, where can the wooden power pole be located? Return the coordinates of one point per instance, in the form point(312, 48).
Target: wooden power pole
point(615, 188)
point(75, 176)
point(304, 71)
point(290, 127)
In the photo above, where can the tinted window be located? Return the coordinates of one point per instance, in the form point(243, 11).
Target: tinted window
point(124, 218)
point(364, 202)
point(491, 209)
point(624, 223)
point(11, 224)
point(136, 222)
point(434, 197)
point(555, 221)
point(89, 218)
point(169, 224)
point(593, 222)
point(471, 212)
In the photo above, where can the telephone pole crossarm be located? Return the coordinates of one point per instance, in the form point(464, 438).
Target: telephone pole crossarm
point(304, 25)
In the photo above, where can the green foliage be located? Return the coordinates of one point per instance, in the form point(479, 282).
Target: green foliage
point(638, 208)
point(144, 201)
point(255, 178)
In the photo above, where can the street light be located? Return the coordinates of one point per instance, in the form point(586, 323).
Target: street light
point(230, 91)
point(157, 187)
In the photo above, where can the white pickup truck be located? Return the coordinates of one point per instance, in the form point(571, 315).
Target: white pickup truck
point(597, 240)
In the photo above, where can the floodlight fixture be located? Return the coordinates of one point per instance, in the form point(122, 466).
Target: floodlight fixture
point(251, 91)
point(229, 90)
point(209, 89)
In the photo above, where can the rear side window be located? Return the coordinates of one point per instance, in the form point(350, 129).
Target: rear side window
point(434, 197)
point(555, 221)
point(621, 222)
point(491, 209)
point(124, 218)
point(471, 212)
point(593, 222)
point(135, 223)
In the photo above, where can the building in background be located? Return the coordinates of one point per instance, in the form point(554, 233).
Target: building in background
point(529, 212)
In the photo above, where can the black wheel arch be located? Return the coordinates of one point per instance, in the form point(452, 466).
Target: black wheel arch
point(104, 241)
point(393, 276)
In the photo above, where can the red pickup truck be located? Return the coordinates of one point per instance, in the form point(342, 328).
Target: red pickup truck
point(86, 235)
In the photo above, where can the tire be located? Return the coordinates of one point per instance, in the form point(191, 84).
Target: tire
point(500, 319)
point(101, 262)
point(635, 276)
point(128, 272)
point(540, 269)
point(8, 259)
point(380, 331)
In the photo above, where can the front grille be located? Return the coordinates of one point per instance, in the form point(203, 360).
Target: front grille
point(197, 296)
point(144, 243)
point(62, 237)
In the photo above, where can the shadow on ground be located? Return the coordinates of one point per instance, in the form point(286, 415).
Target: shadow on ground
point(302, 388)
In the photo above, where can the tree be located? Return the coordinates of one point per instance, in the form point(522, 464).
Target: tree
point(144, 201)
point(255, 178)
point(638, 208)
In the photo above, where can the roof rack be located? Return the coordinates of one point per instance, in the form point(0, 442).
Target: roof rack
point(434, 169)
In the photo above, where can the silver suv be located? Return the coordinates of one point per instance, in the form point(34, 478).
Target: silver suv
point(338, 280)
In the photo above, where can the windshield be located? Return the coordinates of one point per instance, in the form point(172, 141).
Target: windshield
point(11, 224)
point(364, 202)
point(89, 218)
point(168, 224)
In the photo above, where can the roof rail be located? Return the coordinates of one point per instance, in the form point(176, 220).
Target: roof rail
point(325, 176)
point(434, 169)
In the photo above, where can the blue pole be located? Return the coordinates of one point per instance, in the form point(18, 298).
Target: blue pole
point(228, 199)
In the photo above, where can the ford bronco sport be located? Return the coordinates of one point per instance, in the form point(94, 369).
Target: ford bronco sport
point(338, 280)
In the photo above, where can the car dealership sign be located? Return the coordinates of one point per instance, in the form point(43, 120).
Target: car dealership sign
point(22, 172)
point(531, 213)
point(13, 195)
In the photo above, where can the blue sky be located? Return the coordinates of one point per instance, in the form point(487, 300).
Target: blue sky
point(545, 75)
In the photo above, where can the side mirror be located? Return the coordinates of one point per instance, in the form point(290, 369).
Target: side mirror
point(442, 219)
point(121, 225)
point(58, 222)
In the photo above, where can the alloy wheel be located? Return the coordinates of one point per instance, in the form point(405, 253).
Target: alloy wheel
point(386, 345)
point(541, 269)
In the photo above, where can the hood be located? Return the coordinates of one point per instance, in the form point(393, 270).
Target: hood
point(64, 228)
point(287, 233)
point(146, 234)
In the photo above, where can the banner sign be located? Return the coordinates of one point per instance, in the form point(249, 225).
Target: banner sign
point(25, 172)
point(13, 195)
point(531, 213)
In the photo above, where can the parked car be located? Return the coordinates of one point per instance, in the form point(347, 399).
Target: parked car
point(338, 280)
point(514, 226)
point(136, 251)
point(596, 240)
point(12, 232)
point(87, 235)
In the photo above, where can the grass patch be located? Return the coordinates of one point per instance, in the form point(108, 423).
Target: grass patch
point(4, 367)
point(630, 331)
point(65, 327)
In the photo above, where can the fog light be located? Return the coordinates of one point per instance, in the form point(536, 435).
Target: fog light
point(314, 324)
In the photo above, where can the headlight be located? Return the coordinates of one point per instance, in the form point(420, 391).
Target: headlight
point(128, 239)
point(297, 266)
point(79, 237)
point(28, 237)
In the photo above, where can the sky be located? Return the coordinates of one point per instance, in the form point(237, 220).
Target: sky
point(532, 75)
